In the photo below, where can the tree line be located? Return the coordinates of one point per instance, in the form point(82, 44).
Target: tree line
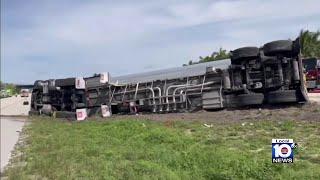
point(8, 89)
point(310, 43)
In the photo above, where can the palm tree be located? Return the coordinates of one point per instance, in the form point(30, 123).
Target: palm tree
point(310, 43)
point(222, 54)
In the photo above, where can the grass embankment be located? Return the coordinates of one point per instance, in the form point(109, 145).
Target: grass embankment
point(139, 149)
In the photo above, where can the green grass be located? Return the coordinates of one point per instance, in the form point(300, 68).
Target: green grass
point(140, 149)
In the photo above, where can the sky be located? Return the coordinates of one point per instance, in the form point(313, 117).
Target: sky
point(48, 39)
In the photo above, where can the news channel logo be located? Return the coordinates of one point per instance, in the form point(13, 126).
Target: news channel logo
point(282, 150)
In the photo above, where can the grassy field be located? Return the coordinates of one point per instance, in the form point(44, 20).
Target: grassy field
point(142, 149)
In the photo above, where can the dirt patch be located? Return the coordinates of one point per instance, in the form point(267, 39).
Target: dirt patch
point(307, 112)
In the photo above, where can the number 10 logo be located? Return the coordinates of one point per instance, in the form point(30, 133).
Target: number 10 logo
point(282, 150)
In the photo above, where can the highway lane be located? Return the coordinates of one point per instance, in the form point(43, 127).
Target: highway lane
point(13, 106)
point(10, 128)
point(314, 97)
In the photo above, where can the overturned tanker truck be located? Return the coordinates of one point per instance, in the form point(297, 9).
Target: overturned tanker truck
point(270, 74)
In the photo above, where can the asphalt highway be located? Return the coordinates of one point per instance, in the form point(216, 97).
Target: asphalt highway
point(13, 117)
point(10, 128)
point(13, 106)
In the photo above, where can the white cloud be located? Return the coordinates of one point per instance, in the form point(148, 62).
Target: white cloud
point(200, 12)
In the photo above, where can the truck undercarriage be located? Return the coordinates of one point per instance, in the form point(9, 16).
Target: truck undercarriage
point(253, 76)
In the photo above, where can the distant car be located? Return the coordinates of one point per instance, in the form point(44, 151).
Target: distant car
point(312, 68)
point(26, 103)
point(24, 93)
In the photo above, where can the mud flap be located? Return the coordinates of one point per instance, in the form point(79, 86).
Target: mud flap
point(81, 114)
point(104, 78)
point(80, 83)
point(105, 111)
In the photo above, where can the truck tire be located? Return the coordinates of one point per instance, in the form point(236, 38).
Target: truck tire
point(244, 53)
point(64, 114)
point(38, 85)
point(278, 47)
point(65, 82)
point(287, 96)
